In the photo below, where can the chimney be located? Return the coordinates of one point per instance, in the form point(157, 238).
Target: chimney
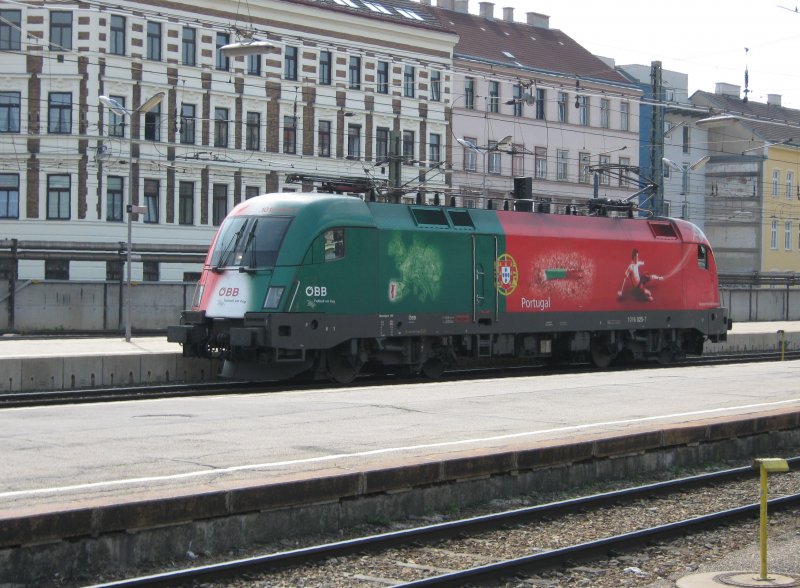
point(446, 4)
point(774, 99)
point(487, 9)
point(508, 13)
point(538, 20)
point(730, 90)
point(462, 6)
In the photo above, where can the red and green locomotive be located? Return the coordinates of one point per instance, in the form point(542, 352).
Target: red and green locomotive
point(324, 285)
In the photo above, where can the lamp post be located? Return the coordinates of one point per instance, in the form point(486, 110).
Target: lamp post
point(120, 110)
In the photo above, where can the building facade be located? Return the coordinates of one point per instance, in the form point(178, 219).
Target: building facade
point(752, 194)
point(528, 101)
point(321, 102)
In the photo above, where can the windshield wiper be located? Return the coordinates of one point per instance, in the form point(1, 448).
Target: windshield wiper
point(234, 240)
point(250, 249)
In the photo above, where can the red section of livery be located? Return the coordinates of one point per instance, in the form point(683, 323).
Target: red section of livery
point(566, 264)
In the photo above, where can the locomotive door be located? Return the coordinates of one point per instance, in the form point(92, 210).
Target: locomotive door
point(484, 289)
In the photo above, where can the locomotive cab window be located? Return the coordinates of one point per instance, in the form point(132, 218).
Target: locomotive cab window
point(334, 244)
point(702, 257)
point(252, 242)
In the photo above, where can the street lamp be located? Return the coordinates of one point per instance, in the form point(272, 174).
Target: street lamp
point(120, 110)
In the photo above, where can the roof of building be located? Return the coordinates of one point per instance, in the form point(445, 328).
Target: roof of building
point(518, 44)
point(400, 11)
point(769, 122)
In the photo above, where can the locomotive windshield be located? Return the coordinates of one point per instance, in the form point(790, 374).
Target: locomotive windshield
point(249, 241)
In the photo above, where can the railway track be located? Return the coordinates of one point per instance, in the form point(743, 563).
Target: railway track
point(525, 540)
point(147, 392)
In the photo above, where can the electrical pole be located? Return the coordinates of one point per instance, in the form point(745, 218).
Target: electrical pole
point(395, 167)
point(657, 137)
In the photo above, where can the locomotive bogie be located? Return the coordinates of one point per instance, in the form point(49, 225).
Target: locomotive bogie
point(328, 286)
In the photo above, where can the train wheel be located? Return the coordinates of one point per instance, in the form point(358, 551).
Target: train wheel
point(666, 356)
point(601, 354)
point(342, 368)
point(433, 368)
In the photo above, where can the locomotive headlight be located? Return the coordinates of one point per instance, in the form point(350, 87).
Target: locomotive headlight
point(198, 294)
point(273, 298)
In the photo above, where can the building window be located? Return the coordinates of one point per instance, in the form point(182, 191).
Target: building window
point(563, 107)
point(324, 139)
point(470, 155)
point(220, 127)
point(494, 158)
point(776, 182)
point(382, 145)
point(562, 165)
point(151, 201)
point(436, 85)
point(254, 65)
point(355, 73)
point(383, 77)
point(494, 96)
point(9, 112)
point(152, 124)
point(10, 30)
point(789, 184)
point(624, 164)
point(517, 99)
point(583, 168)
point(685, 178)
point(56, 269)
point(154, 41)
point(409, 81)
point(114, 271)
point(605, 108)
point(290, 134)
point(116, 122)
point(354, 141)
point(9, 195)
point(189, 46)
point(686, 139)
point(116, 39)
point(773, 235)
point(605, 175)
point(540, 162)
point(220, 203)
point(624, 116)
point(408, 146)
point(60, 31)
point(58, 197)
point(59, 113)
point(253, 139)
point(251, 191)
point(223, 62)
point(186, 203)
point(187, 133)
point(517, 164)
point(434, 148)
point(150, 271)
point(469, 93)
point(325, 67)
point(114, 198)
point(787, 235)
point(540, 102)
point(583, 111)
point(290, 63)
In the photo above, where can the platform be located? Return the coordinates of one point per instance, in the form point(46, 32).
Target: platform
point(61, 363)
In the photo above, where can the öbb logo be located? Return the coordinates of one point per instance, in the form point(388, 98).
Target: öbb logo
point(316, 291)
point(228, 291)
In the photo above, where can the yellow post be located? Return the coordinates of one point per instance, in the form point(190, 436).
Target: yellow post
point(765, 466)
point(782, 333)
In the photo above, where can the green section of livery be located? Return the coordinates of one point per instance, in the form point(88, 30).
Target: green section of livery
point(378, 258)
